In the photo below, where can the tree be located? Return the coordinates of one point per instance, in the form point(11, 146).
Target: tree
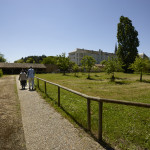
point(19, 61)
point(127, 42)
point(96, 69)
point(103, 62)
point(50, 60)
point(75, 69)
point(112, 66)
point(63, 63)
point(139, 65)
point(30, 60)
point(88, 62)
point(2, 59)
point(1, 72)
point(115, 49)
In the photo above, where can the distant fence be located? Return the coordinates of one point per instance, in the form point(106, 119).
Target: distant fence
point(89, 99)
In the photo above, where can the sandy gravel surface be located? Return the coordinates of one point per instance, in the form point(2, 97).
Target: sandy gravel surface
point(46, 129)
point(11, 129)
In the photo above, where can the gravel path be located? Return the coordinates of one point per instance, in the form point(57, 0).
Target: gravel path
point(46, 129)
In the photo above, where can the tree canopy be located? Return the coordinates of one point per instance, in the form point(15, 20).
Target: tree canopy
point(88, 62)
point(50, 60)
point(75, 69)
point(112, 65)
point(140, 65)
point(127, 42)
point(31, 59)
point(2, 59)
point(63, 63)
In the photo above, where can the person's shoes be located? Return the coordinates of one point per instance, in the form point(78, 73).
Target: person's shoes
point(32, 89)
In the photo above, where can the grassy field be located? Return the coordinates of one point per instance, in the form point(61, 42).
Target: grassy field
point(124, 127)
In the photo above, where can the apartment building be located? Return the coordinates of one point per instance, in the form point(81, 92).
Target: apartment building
point(77, 55)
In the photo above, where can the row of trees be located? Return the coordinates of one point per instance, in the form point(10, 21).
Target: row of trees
point(139, 65)
point(31, 59)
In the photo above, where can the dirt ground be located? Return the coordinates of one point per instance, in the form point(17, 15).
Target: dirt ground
point(11, 129)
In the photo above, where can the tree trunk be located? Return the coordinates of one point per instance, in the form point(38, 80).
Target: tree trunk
point(141, 77)
point(113, 77)
point(89, 75)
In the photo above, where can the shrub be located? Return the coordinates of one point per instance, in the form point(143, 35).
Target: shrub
point(1, 73)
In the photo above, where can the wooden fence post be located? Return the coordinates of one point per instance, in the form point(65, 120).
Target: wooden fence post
point(45, 86)
point(89, 114)
point(58, 96)
point(100, 113)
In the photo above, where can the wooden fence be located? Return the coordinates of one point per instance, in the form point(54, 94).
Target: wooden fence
point(89, 99)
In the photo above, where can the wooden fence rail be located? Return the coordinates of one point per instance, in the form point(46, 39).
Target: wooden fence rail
point(89, 98)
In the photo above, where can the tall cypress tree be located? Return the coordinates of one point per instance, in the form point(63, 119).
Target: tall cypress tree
point(115, 49)
point(127, 42)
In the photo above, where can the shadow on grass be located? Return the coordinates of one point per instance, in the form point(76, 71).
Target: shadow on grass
point(65, 75)
point(94, 79)
point(97, 75)
point(76, 76)
point(121, 82)
point(120, 78)
point(145, 81)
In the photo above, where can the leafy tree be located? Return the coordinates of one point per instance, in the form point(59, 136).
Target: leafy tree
point(127, 42)
point(50, 60)
point(112, 66)
point(19, 61)
point(139, 65)
point(2, 59)
point(88, 62)
point(1, 72)
point(75, 69)
point(96, 69)
point(148, 66)
point(31, 59)
point(63, 63)
point(103, 62)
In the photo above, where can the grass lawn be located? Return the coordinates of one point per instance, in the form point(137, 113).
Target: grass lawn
point(124, 127)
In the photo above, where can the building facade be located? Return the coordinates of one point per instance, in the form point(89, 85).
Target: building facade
point(77, 55)
point(144, 56)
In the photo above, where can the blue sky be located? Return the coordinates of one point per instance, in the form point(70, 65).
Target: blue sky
point(52, 27)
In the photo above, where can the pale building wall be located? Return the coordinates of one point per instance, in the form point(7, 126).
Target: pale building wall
point(99, 56)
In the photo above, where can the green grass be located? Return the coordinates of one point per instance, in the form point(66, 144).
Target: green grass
point(124, 127)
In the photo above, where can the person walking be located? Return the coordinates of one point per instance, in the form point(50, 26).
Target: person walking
point(23, 78)
point(30, 75)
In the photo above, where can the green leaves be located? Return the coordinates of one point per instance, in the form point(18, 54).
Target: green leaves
point(1, 73)
point(50, 60)
point(139, 65)
point(127, 42)
point(63, 63)
point(88, 62)
point(75, 68)
point(2, 59)
point(112, 66)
